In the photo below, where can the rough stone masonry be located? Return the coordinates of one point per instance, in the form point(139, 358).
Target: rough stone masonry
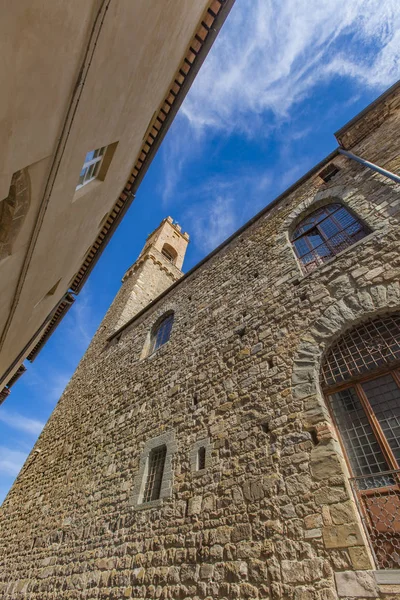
point(270, 514)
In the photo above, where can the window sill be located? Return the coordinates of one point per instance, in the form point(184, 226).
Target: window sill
point(85, 189)
point(148, 505)
point(158, 352)
point(329, 262)
point(387, 577)
point(199, 473)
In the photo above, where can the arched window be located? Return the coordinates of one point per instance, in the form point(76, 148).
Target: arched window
point(361, 379)
point(324, 233)
point(161, 332)
point(170, 253)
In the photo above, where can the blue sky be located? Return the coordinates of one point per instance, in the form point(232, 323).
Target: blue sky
point(282, 76)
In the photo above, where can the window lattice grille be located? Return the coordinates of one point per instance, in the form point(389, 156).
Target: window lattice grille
point(384, 396)
point(325, 233)
point(362, 448)
point(367, 347)
point(155, 474)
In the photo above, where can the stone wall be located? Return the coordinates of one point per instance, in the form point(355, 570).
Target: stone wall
point(147, 279)
point(271, 515)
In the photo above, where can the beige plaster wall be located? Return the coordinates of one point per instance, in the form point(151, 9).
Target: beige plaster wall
point(138, 51)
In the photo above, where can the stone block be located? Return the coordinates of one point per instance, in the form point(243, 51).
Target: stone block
point(194, 505)
point(236, 571)
point(189, 573)
point(298, 484)
point(310, 534)
point(248, 549)
point(359, 558)
point(324, 460)
point(241, 532)
point(292, 571)
point(302, 593)
point(330, 495)
point(257, 348)
point(374, 273)
point(253, 491)
point(206, 571)
point(342, 536)
point(356, 584)
point(221, 535)
point(313, 521)
point(248, 591)
point(343, 513)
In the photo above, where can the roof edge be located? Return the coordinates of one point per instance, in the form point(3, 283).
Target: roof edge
point(340, 132)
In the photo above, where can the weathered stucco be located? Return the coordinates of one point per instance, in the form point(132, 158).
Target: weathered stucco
point(271, 516)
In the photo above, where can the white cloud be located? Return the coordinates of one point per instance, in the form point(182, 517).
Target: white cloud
point(48, 382)
point(271, 53)
point(213, 222)
point(222, 204)
point(81, 326)
point(11, 461)
point(20, 422)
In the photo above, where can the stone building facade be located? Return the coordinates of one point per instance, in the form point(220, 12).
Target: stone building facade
point(254, 496)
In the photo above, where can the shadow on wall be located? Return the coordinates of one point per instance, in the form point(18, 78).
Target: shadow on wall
point(13, 211)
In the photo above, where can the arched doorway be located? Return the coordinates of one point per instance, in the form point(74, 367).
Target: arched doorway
point(360, 377)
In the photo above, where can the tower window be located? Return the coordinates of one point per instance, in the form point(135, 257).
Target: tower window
point(325, 233)
point(156, 463)
point(91, 166)
point(170, 253)
point(162, 332)
point(201, 458)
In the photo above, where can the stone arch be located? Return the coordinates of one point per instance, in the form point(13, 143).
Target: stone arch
point(169, 252)
point(327, 457)
point(13, 211)
point(342, 315)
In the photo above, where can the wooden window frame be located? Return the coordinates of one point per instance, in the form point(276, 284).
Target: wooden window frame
point(375, 426)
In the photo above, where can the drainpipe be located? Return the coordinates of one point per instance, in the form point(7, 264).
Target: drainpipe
point(370, 165)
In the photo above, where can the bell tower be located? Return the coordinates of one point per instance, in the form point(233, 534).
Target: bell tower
point(157, 267)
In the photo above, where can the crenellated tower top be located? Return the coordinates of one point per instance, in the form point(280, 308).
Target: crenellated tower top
point(157, 267)
point(165, 245)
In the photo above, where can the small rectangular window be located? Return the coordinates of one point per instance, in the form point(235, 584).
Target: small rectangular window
point(156, 463)
point(329, 172)
point(201, 458)
point(91, 166)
